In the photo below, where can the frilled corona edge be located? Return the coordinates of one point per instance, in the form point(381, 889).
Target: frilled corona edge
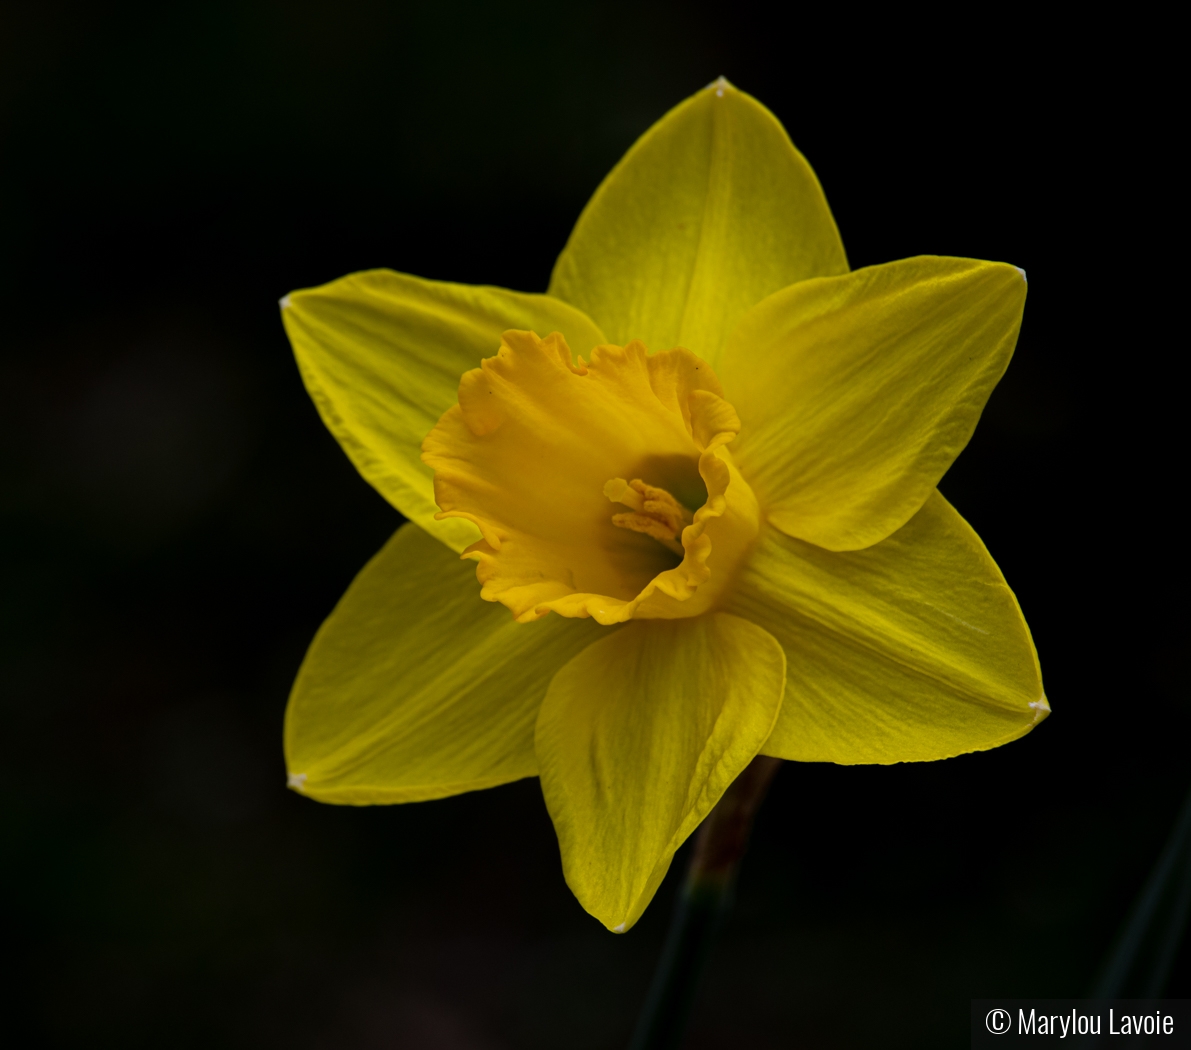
point(539, 444)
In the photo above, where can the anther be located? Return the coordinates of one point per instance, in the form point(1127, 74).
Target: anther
point(654, 511)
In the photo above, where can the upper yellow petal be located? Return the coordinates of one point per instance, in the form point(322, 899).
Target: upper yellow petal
point(639, 736)
point(914, 649)
point(415, 689)
point(856, 393)
point(710, 211)
point(381, 354)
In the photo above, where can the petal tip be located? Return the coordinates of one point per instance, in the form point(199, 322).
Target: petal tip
point(621, 928)
point(720, 84)
point(284, 302)
point(1041, 708)
point(295, 781)
point(1023, 274)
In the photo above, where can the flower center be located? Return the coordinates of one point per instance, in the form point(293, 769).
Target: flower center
point(655, 512)
point(527, 455)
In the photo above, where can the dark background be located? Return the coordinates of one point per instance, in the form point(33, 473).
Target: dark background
point(176, 522)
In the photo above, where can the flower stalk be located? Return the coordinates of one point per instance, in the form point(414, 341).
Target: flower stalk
point(703, 904)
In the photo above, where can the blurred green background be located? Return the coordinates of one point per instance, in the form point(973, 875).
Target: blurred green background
point(176, 522)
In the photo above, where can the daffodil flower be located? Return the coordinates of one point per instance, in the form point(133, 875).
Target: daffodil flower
point(698, 480)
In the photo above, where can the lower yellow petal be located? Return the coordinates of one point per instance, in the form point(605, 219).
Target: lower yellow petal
point(912, 650)
point(415, 689)
point(639, 736)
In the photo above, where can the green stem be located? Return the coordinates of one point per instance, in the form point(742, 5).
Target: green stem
point(1145, 951)
point(703, 903)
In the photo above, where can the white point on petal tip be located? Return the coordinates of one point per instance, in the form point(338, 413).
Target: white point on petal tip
point(283, 302)
point(1023, 274)
point(619, 929)
point(719, 84)
point(295, 780)
point(1041, 708)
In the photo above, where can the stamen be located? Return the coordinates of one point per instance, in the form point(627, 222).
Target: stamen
point(655, 512)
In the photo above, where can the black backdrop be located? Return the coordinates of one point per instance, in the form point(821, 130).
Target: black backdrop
point(176, 522)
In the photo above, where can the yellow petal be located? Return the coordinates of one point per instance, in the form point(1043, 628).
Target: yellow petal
point(538, 446)
point(415, 689)
point(711, 210)
point(909, 651)
point(856, 393)
point(639, 736)
point(381, 354)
